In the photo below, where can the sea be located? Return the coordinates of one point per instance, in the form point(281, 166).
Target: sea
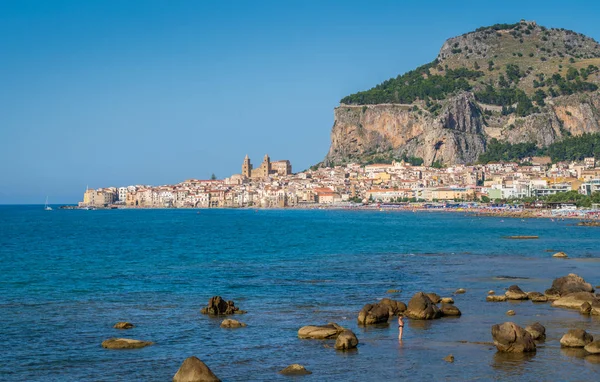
point(67, 276)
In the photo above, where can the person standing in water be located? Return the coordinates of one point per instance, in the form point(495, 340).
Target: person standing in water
point(400, 328)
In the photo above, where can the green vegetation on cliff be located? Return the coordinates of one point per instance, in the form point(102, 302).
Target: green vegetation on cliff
point(416, 84)
point(569, 149)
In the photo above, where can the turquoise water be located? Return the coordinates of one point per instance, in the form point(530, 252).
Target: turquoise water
point(68, 276)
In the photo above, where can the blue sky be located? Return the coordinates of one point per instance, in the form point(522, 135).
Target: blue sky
point(112, 93)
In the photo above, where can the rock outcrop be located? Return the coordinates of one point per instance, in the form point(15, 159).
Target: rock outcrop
point(576, 338)
point(511, 338)
point(194, 370)
point(420, 307)
point(329, 331)
point(218, 306)
point(570, 284)
point(515, 293)
point(575, 300)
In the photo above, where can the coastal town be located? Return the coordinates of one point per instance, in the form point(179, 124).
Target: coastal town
point(273, 185)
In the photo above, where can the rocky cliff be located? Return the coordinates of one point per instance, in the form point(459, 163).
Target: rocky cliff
point(456, 128)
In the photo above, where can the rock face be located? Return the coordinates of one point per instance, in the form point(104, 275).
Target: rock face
point(511, 338)
point(331, 330)
point(457, 128)
point(420, 307)
point(125, 343)
point(576, 338)
point(515, 293)
point(218, 306)
point(194, 370)
point(574, 300)
point(123, 325)
point(571, 284)
point(346, 340)
point(294, 369)
point(537, 331)
point(228, 323)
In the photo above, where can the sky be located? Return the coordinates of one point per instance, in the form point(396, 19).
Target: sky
point(116, 93)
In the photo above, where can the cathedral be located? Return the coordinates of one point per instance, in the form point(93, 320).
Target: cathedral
point(266, 168)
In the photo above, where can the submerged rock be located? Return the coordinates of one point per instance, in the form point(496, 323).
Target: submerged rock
point(593, 347)
point(576, 338)
point(346, 340)
point(560, 255)
point(420, 307)
point(125, 343)
point(537, 331)
point(295, 369)
point(511, 338)
point(229, 323)
point(515, 293)
point(329, 331)
point(460, 291)
point(510, 313)
point(449, 358)
point(491, 292)
point(218, 306)
point(194, 370)
point(123, 325)
point(495, 298)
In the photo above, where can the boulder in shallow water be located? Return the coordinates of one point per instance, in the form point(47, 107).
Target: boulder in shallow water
point(194, 370)
point(460, 291)
point(510, 313)
point(515, 293)
point(373, 314)
point(571, 284)
point(593, 347)
point(232, 324)
point(420, 307)
point(574, 300)
point(125, 343)
point(449, 358)
point(537, 297)
point(495, 298)
point(295, 369)
point(123, 325)
point(491, 292)
point(447, 300)
point(449, 310)
point(560, 255)
point(576, 338)
point(585, 308)
point(395, 307)
point(511, 338)
point(552, 293)
point(218, 306)
point(346, 340)
point(434, 297)
point(537, 331)
point(329, 331)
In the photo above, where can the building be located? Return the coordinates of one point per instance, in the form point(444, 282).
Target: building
point(266, 168)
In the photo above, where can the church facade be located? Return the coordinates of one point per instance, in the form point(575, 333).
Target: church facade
point(266, 168)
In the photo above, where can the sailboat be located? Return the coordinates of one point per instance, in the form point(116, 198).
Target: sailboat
point(47, 207)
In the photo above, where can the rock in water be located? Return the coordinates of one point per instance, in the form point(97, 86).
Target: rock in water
point(574, 300)
point(420, 307)
point(229, 323)
point(395, 307)
point(491, 292)
point(511, 338)
point(593, 347)
point(125, 343)
point(373, 314)
point(576, 338)
point(585, 308)
point(295, 369)
point(515, 293)
point(537, 297)
point(510, 313)
point(194, 370)
point(449, 310)
point(447, 300)
point(218, 306)
point(495, 298)
point(560, 255)
point(449, 358)
point(460, 291)
point(537, 331)
point(434, 297)
point(123, 325)
point(329, 331)
point(571, 284)
point(346, 340)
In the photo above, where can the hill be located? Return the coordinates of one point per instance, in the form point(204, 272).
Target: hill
point(515, 83)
